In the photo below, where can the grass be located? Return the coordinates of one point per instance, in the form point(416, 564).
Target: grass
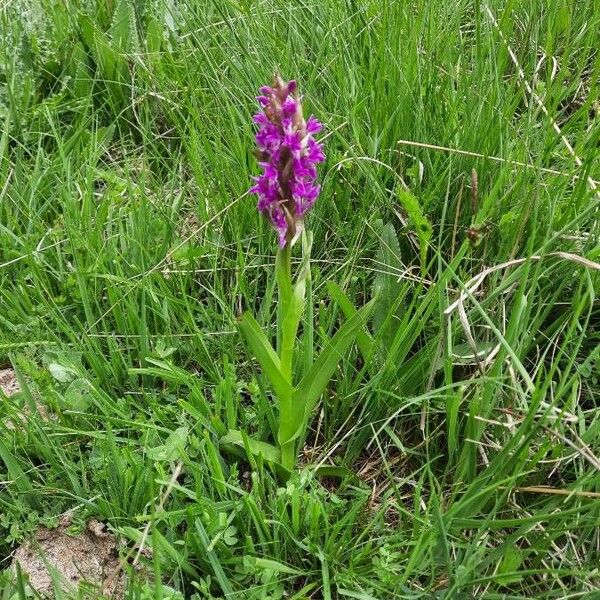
point(128, 247)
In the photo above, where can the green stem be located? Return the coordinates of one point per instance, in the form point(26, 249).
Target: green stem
point(283, 270)
point(288, 455)
point(289, 314)
point(285, 347)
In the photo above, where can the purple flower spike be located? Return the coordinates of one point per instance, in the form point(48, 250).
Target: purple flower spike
point(288, 155)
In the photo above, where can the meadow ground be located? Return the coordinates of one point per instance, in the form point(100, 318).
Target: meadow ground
point(459, 188)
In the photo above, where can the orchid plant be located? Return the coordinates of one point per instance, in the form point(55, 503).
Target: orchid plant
point(288, 154)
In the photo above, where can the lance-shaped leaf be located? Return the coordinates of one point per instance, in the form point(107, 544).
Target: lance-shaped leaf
point(241, 441)
point(363, 338)
point(17, 475)
point(311, 387)
point(295, 307)
point(263, 352)
point(240, 444)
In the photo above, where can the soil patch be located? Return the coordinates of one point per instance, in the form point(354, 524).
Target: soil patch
point(90, 557)
point(8, 382)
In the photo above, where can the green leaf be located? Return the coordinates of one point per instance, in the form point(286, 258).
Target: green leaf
point(308, 328)
point(111, 62)
point(172, 448)
point(214, 561)
point(292, 314)
point(166, 552)
point(236, 438)
point(333, 471)
point(239, 444)
point(315, 381)
point(418, 219)
point(271, 565)
point(263, 352)
point(387, 288)
point(81, 82)
point(78, 395)
point(304, 593)
point(440, 548)
point(291, 321)
point(123, 29)
point(509, 565)
point(154, 35)
point(17, 475)
point(363, 339)
point(20, 582)
point(462, 354)
point(60, 372)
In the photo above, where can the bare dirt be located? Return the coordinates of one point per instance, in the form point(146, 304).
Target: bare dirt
point(10, 386)
point(91, 557)
point(8, 382)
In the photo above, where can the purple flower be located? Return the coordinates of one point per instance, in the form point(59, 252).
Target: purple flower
point(288, 155)
point(305, 193)
point(314, 152)
point(293, 142)
point(289, 107)
point(312, 125)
